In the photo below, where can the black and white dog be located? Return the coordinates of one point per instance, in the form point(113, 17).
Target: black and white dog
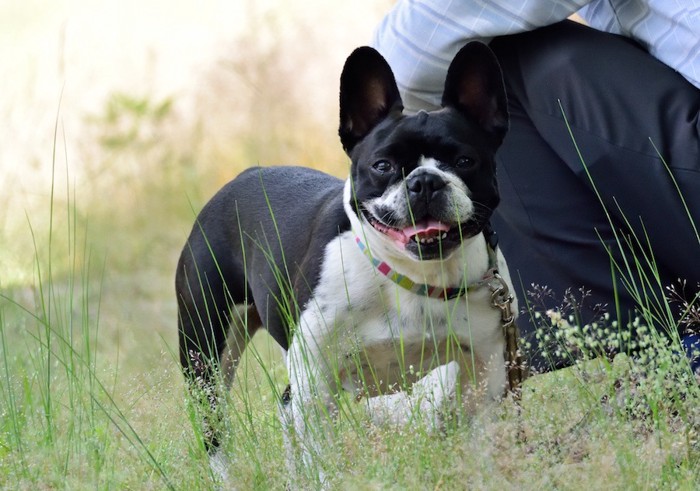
point(379, 284)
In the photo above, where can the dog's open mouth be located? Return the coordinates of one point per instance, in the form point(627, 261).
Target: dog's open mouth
point(424, 232)
point(428, 238)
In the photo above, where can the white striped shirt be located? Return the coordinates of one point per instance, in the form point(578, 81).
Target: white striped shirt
point(419, 38)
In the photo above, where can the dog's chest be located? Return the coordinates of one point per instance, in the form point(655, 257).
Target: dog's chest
point(382, 336)
point(390, 345)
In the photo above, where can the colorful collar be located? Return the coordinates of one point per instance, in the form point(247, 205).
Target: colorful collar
point(424, 289)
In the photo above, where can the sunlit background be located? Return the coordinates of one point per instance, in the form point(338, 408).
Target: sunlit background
point(173, 97)
point(119, 119)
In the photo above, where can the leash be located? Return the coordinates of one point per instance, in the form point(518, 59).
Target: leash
point(501, 299)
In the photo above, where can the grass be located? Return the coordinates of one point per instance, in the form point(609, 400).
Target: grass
point(91, 394)
point(92, 397)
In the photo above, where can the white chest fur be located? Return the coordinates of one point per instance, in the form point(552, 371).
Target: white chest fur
point(369, 335)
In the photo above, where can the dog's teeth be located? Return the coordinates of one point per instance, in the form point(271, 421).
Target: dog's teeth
point(431, 239)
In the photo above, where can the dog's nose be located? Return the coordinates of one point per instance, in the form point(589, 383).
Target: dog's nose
point(423, 186)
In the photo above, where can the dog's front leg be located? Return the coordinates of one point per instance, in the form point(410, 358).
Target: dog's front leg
point(492, 379)
point(308, 415)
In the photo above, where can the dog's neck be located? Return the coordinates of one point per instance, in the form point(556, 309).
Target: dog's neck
point(464, 266)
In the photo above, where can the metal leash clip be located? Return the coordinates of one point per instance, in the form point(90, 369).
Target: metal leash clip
point(502, 299)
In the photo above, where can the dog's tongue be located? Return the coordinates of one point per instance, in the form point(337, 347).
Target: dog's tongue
point(425, 228)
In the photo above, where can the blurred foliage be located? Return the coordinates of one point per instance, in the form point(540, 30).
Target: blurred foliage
point(130, 120)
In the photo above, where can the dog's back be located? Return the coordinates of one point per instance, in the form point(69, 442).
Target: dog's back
point(214, 290)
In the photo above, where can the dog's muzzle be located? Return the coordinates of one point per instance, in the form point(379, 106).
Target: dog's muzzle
point(428, 215)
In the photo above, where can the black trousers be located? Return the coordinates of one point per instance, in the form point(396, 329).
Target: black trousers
point(558, 218)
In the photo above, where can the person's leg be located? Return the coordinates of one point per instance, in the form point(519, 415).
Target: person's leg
point(545, 223)
point(618, 100)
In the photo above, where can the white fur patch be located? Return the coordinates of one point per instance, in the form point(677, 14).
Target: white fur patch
point(218, 463)
point(432, 397)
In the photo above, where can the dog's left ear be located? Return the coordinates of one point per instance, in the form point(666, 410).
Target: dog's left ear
point(368, 94)
point(474, 86)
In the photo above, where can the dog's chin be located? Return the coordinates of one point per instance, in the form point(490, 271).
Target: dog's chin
point(429, 239)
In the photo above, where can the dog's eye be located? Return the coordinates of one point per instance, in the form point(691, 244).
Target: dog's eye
point(382, 166)
point(464, 162)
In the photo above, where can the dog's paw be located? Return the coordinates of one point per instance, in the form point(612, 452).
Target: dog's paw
point(434, 394)
point(431, 398)
point(218, 463)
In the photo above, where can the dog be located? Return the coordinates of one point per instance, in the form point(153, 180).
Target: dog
point(377, 285)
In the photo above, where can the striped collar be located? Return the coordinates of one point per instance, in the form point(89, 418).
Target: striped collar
point(425, 289)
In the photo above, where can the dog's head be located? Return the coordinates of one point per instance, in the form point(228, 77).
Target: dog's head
point(423, 183)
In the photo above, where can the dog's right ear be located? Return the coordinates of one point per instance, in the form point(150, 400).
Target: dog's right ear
point(474, 86)
point(368, 94)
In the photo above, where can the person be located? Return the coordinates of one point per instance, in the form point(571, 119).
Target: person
point(600, 171)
